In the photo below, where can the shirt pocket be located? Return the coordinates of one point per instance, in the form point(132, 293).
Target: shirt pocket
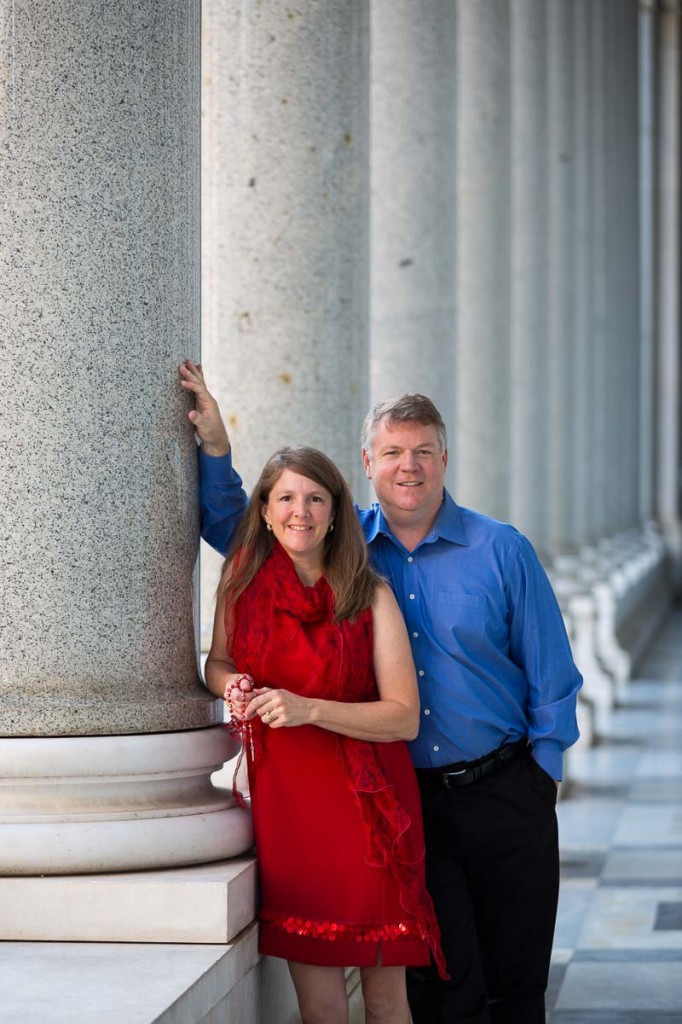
point(458, 621)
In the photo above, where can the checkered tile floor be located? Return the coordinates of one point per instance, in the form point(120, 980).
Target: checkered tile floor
point(618, 946)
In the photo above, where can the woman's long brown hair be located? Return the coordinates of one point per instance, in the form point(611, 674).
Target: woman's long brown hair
point(345, 562)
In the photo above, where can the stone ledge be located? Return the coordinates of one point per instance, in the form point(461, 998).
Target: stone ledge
point(78, 983)
point(208, 903)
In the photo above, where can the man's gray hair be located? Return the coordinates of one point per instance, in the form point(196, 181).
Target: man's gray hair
point(406, 409)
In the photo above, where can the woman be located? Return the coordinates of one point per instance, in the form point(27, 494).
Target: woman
point(311, 653)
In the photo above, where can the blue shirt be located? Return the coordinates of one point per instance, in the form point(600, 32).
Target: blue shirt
point(488, 639)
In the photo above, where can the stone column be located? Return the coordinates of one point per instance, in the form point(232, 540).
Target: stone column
point(569, 296)
point(483, 179)
point(626, 567)
point(669, 440)
point(413, 200)
point(529, 254)
point(99, 290)
point(285, 220)
point(561, 274)
point(647, 250)
point(615, 256)
point(622, 260)
point(285, 216)
point(600, 464)
point(582, 420)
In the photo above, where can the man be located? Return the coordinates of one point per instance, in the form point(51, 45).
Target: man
point(498, 693)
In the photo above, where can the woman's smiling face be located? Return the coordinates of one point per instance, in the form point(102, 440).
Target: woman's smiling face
point(300, 512)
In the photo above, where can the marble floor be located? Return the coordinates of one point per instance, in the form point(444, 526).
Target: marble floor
point(618, 947)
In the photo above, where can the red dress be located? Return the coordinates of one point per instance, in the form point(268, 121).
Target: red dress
point(337, 820)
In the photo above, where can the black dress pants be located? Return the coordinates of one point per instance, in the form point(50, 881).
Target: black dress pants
point(492, 868)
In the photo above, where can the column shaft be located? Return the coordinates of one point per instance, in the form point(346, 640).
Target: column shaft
point(285, 240)
point(600, 467)
point(413, 200)
point(286, 225)
point(100, 300)
point(483, 181)
point(669, 441)
point(622, 260)
point(528, 377)
point(582, 421)
point(561, 273)
point(648, 263)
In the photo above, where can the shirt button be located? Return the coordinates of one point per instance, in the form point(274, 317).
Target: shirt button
point(411, 597)
point(427, 711)
point(436, 748)
point(415, 634)
point(410, 558)
point(422, 672)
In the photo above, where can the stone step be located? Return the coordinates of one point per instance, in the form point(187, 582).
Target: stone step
point(207, 903)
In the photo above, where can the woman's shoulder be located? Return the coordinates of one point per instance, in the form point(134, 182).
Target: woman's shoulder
point(384, 604)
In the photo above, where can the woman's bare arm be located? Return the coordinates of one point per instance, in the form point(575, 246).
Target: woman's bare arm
point(222, 678)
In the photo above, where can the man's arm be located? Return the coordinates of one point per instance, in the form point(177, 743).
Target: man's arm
point(539, 645)
point(222, 497)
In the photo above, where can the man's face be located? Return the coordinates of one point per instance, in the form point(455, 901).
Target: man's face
point(407, 468)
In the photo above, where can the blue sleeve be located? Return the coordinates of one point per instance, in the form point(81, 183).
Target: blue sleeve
point(540, 646)
point(222, 499)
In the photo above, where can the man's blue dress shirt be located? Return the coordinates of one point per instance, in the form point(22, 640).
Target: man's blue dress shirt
point(488, 639)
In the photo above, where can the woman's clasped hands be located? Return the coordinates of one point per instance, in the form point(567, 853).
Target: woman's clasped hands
point(275, 708)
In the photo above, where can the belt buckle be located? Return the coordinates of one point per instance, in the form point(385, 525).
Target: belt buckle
point(447, 776)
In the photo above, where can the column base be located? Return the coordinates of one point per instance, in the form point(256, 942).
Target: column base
point(97, 804)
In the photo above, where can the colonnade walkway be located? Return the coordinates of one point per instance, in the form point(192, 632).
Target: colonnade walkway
point(618, 945)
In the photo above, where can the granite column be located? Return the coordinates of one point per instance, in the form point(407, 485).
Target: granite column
point(529, 252)
point(285, 217)
point(648, 164)
point(108, 735)
point(482, 314)
point(669, 430)
point(561, 275)
point(413, 200)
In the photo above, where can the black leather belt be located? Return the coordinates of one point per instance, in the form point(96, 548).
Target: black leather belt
point(463, 773)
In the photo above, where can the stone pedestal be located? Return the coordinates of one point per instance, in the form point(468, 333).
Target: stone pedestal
point(207, 904)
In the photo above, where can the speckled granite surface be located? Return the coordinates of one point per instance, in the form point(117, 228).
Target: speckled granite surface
point(99, 301)
point(285, 205)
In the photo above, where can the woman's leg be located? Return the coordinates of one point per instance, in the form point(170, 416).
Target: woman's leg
point(383, 989)
point(321, 993)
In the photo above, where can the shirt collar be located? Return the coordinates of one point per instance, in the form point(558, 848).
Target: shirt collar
point(448, 524)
